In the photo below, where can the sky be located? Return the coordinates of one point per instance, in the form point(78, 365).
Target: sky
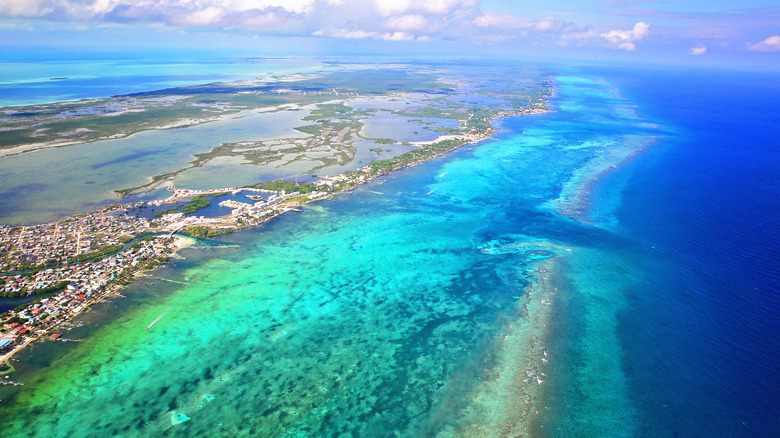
point(688, 31)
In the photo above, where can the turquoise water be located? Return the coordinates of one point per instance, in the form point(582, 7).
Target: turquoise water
point(40, 76)
point(419, 307)
point(522, 287)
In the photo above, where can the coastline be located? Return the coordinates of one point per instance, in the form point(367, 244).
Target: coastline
point(354, 178)
point(178, 243)
point(519, 367)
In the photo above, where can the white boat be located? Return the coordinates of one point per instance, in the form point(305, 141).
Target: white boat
point(156, 320)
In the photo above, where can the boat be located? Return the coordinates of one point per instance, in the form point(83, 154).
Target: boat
point(156, 320)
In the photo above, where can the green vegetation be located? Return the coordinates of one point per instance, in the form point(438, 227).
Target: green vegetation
point(194, 205)
point(101, 252)
point(204, 232)
point(141, 241)
point(16, 319)
point(433, 112)
point(287, 186)
point(49, 289)
point(318, 129)
point(384, 166)
point(327, 111)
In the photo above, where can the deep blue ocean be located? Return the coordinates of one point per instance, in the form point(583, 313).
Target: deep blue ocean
point(399, 310)
point(702, 335)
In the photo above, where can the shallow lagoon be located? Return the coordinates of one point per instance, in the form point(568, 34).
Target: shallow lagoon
point(48, 184)
point(475, 99)
point(383, 124)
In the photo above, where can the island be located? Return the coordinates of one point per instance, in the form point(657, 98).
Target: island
point(59, 269)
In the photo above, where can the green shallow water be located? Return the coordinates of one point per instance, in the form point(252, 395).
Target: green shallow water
point(471, 310)
point(321, 334)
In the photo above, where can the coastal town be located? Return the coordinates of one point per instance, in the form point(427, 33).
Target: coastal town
point(73, 263)
point(69, 289)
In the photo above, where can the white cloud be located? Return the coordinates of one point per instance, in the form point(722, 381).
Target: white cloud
point(587, 34)
point(696, 51)
point(381, 19)
point(25, 8)
point(397, 36)
point(391, 20)
point(397, 20)
point(176, 12)
point(297, 6)
point(397, 7)
point(548, 24)
point(771, 44)
point(391, 7)
point(625, 39)
point(205, 17)
point(361, 34)
point(102, 6)
point(344, 33)
point(493, 19)
point(408, 23)
point(507, 21)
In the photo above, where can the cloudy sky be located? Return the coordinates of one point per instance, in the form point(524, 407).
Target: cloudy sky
point(692, 30)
